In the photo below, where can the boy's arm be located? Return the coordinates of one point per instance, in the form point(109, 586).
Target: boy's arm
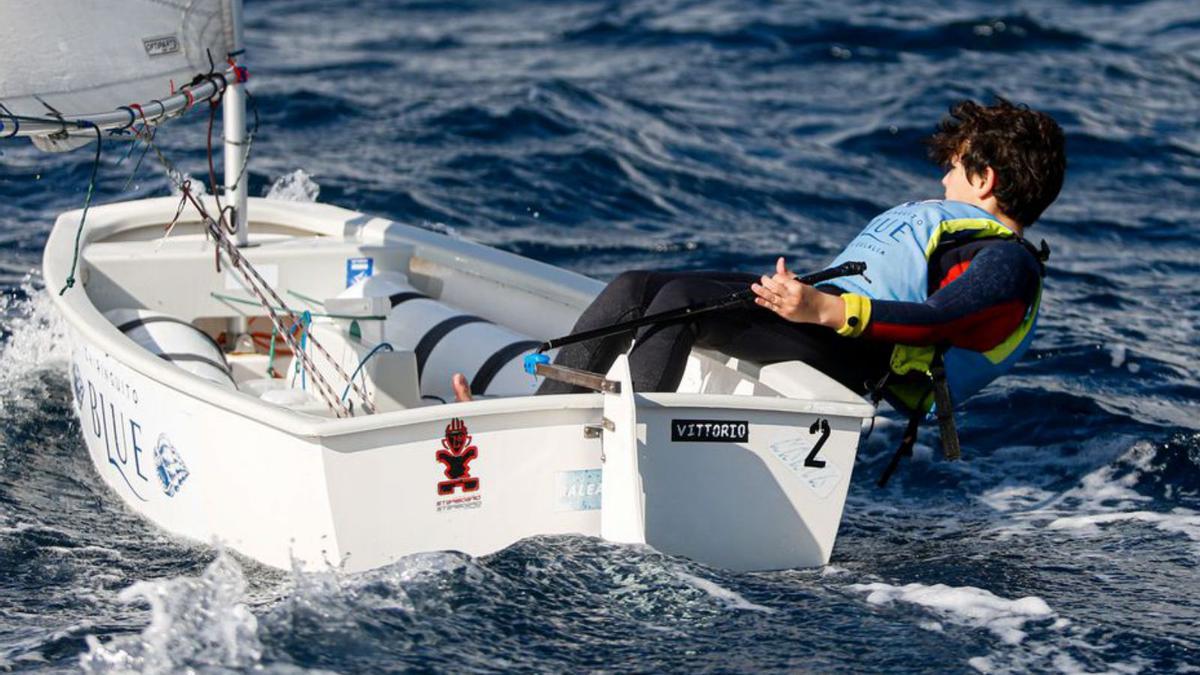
point(976, 311)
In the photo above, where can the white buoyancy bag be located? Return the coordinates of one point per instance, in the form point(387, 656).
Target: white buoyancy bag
point(447, 340)
point(174, 340)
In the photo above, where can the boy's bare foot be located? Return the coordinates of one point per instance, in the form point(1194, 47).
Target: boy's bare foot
point(462, 390)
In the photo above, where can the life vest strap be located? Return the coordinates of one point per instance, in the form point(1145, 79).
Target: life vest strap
point(951, 449)
point(905, 449)
point(947, 429)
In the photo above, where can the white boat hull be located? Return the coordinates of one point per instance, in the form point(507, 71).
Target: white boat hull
point(741, 479)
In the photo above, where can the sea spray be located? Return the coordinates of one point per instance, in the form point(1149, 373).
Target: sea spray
point(196, 622)
point(178, 178)
point(33, 337)
point(296, 186)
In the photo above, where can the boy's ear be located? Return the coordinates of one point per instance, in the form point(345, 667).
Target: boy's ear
point(984, 182)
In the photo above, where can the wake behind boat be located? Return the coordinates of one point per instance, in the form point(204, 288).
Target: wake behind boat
point(275, 375)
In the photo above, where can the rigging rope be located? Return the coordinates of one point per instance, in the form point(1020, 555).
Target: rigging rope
point(87, 202)
point(266, 296)
point(141, 157)
point(147, 130)
point(259, 287)
point(219, 230)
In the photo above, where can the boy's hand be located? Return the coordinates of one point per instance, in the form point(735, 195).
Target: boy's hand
point(783, 294)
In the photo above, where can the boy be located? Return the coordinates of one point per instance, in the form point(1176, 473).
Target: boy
point(953, 282)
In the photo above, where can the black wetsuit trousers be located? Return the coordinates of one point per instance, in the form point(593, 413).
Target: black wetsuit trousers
point(747, 332)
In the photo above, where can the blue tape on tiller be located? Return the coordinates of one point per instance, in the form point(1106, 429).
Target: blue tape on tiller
point(532, 361)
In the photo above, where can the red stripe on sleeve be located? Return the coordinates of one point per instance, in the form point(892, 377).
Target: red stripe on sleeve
point(979, 331)
point(954, 273)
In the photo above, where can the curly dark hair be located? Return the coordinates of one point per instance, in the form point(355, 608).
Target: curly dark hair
point(1024, 147)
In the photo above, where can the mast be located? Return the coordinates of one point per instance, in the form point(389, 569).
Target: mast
point(234, 119)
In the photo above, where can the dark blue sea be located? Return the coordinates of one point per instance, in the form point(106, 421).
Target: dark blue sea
point(682, 134)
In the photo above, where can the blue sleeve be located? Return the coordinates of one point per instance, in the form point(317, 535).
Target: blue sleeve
point(977, 310)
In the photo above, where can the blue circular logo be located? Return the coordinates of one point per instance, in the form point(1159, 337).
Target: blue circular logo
point(169, 466)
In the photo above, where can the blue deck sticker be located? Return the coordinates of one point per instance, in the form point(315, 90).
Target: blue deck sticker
point(578, 490)
point(358, 269)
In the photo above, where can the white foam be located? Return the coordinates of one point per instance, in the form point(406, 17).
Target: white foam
point(296, 186)
point(1008, 498)
point(1101, 489)
point(965, 605)
point(38, 337)
point(195, 623)
point(1179, 520)
point(1051, 658)
point(833, 570)
point(1101, 497)
point(730, 599)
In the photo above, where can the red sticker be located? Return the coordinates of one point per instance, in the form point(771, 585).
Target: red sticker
point(456, 454)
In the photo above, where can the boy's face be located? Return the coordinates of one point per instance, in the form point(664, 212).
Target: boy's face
point(960, 187)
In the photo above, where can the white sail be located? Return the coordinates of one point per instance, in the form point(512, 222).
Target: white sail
point(87, 57)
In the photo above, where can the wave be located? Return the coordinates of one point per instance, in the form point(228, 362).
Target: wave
point(306, 109)
point(512, 126)
point(1017, 32)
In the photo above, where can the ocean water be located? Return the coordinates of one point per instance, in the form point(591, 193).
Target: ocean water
point(683, 134)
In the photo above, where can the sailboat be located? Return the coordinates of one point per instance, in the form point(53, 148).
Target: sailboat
point(275, 375)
